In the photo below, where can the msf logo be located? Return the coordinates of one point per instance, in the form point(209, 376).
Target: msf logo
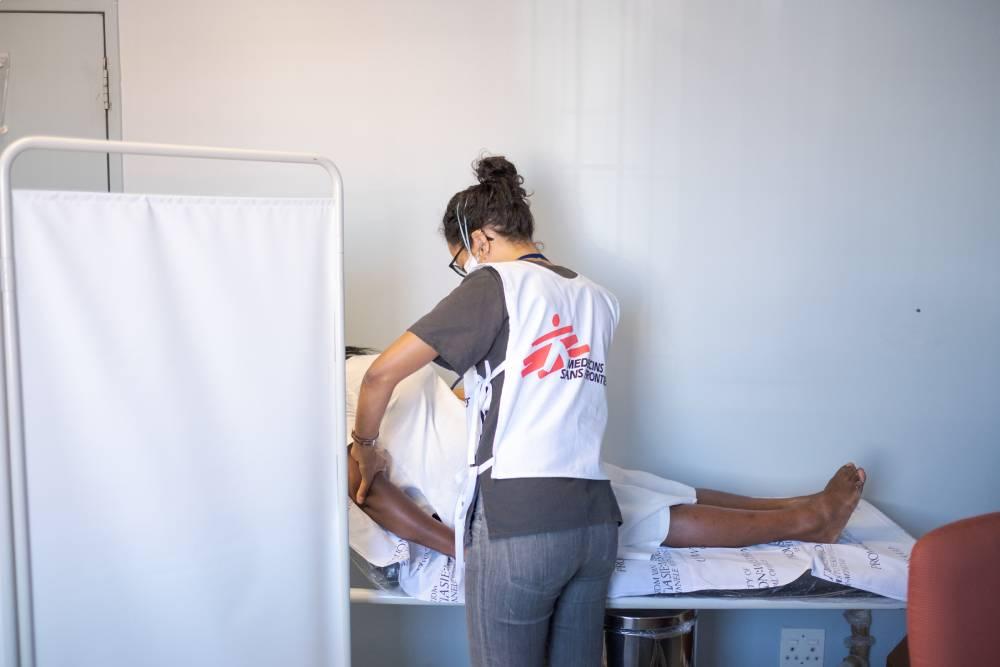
point(563, 340)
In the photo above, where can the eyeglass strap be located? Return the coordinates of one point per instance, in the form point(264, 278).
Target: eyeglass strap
point(463, 226)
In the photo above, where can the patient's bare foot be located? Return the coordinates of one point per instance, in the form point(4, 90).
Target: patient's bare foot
point(829, 510)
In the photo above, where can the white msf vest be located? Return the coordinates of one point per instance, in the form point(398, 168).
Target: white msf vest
point(553, 407)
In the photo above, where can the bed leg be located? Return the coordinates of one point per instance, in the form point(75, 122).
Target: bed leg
point(861, 640)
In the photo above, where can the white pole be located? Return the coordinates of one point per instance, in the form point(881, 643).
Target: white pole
point(17, 641)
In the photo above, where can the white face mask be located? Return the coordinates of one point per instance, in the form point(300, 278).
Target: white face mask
point(470, 264)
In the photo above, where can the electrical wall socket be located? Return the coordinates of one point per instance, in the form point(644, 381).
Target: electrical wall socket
point(801, 646)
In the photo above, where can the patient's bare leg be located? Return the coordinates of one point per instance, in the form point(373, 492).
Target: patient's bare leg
point(395, 511)
point(736, 502)
point(739, 521)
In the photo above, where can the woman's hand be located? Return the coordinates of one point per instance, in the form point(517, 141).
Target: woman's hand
point(371, 461)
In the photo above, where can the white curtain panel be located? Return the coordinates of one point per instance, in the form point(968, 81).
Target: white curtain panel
point(177, 374)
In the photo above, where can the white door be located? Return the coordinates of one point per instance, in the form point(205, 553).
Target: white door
point(55, 86)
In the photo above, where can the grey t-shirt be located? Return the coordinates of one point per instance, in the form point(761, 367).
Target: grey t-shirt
point(470, 327)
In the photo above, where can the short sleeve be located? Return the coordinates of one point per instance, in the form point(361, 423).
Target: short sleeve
point(464, 325)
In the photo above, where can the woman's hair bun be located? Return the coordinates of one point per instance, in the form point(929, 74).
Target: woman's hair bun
point(498, 202)
point(496, 169)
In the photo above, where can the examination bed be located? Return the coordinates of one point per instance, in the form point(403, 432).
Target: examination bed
point(866, 569)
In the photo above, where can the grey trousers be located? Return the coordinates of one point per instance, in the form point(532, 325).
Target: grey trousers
point(536, 600)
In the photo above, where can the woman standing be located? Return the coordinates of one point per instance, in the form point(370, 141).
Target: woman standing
point(532, 340)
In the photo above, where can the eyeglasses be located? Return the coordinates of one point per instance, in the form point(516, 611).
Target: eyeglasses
point(455, 266)
point(458, 268)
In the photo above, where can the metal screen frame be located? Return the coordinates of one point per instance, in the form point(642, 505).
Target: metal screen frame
point(17, 636)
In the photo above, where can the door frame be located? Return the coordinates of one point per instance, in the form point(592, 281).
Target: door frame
point(108, 11)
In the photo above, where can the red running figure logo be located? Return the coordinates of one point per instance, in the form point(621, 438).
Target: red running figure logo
point(536, 361)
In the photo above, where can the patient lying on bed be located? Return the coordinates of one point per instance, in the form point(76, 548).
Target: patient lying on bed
point(423, 435)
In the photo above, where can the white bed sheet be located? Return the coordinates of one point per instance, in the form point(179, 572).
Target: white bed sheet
point(872, 555)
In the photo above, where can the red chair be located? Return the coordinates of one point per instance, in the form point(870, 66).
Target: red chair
point(953, 610)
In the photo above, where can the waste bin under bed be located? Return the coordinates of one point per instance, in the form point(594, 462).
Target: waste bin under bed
point(649, 638)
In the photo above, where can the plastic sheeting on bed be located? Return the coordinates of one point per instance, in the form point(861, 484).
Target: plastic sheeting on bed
point(871, 558)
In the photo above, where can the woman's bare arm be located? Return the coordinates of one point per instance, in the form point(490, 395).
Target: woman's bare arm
point(405, 356)
point(395, 511)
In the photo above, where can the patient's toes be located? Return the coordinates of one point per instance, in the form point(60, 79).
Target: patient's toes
point(843, 477)
point(836, 503)
point(848, 485)
point(857, 477)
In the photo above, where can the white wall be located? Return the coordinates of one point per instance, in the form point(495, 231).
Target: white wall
point(795, 201)
point(402, 95)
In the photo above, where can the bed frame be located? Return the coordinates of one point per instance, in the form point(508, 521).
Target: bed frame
point(373, 596)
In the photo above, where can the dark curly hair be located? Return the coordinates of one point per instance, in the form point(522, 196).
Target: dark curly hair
point(352, 351)
point(498, 201)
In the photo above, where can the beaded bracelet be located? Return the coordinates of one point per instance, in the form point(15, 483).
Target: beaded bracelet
point(363, 442)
